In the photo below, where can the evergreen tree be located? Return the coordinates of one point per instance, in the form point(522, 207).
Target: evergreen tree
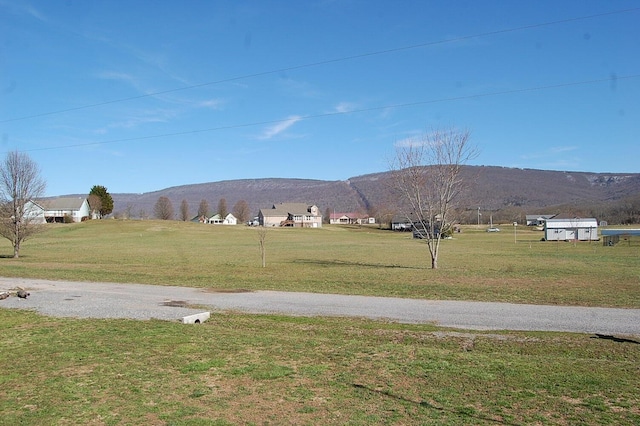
point(106, 202)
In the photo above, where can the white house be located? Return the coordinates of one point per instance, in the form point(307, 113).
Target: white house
point(583, 229)
point(350, 218)
point(34, 212)
point(216, 219)
point(538, 219)
point(65, 209)
point(229, 219)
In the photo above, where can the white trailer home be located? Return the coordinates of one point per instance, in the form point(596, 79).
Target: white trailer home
point(583, 229)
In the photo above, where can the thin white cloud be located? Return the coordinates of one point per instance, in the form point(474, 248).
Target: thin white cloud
point(411, 141)
point(22, 8)
point(210, 103)
point(137, 119)
point(344, 107)
point(551, 153)
point(560, 149)
point(280, 127)
point(115, 75)
point(32, 11)
point(123, 78)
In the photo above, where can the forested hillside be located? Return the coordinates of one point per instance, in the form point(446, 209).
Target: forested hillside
point(505, 193)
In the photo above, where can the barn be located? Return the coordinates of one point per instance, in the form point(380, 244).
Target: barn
point(582, 229)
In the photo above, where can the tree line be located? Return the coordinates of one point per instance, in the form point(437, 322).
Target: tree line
point(164, 210)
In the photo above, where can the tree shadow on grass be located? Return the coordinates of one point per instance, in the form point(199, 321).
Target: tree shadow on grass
point(350, 263)
point(615, 339)
point(427, 404)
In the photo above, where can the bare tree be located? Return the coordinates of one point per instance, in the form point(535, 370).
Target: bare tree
point(95, 203)
point(164, 209)
point(262, 238)
point(241, 211)
point(128, 211)
point(184, 210)
point(426, 174)
point(222, 208)
point(203, 208)
point(20, 187)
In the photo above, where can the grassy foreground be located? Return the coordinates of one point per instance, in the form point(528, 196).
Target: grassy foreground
point(475, 265)
point(260, 370)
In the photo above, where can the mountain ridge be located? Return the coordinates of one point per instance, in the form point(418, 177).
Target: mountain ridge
point(506, 192)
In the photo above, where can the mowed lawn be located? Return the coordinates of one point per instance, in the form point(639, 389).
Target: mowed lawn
point(240, 369)
point(474, 265)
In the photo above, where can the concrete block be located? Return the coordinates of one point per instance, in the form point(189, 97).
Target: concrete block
point(196, 318)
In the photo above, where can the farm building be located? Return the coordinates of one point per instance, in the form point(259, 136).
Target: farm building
point(583, 229)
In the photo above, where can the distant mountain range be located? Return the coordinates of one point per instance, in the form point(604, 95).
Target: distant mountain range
point(506, 193)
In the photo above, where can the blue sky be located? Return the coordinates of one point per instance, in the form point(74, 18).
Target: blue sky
point(143, 95)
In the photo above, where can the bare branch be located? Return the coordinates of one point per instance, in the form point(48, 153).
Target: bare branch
point(20, 188)
point(426, 173)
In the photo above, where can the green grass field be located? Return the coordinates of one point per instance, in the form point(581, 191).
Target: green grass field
point(239, 369)
point(475, 265)
point(259, 370)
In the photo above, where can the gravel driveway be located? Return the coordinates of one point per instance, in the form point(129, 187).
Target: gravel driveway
point(137, 301)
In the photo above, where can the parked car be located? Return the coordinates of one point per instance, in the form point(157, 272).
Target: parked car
point(493, 229)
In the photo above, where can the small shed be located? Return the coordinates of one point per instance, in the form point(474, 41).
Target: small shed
point(582, 229)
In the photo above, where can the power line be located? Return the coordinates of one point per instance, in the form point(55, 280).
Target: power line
point(330, 114)
point(319, 63)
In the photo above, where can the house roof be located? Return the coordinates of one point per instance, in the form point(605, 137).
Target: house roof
point(350, 215)
point(539, 216)
point(37, 204)
point(63, 203)
point(572, 223)
point(284, 209)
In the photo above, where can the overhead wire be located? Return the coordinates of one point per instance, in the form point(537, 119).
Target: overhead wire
point(336, 113)
point(318, 63)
